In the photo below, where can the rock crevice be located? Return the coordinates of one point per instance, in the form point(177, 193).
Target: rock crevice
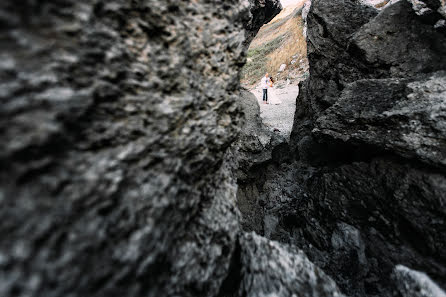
point(133, 164)
point(365, 190)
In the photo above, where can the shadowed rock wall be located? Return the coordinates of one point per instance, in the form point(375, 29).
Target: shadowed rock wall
point(370, 136)
point(118, 122)
point(115, 120)
point(121, 147)
point(366, 192)
point(262, 12)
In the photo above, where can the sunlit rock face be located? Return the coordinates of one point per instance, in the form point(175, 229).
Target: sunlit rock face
point(421, 7)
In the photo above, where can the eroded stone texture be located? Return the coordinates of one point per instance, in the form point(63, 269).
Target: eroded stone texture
point(257, 150)
point(405, 117)
point(369, 133)
point(116, 119)
point(271, 269)
point(118, 126)
point(380, 42)
point(412, 283)
point(262, 11)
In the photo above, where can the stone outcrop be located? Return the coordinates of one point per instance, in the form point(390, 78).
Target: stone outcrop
point(366, 191)
point(261, 12)
point(413, 283)
point(369, 177)
point(113, 138)
point(402, 116)
point(124, 134)
point(275, 270)
point(118, 128)
point(305, 11)
point(257, 150)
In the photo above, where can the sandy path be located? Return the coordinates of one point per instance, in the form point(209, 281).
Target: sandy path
point(280, 116)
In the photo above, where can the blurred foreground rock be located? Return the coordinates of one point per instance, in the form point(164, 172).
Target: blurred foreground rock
point(124, 134)
point(118, 120)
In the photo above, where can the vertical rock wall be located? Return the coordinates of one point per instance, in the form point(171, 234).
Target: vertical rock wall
point(118, 163)
point(370, 135)
point(118, 126)
point(262, 12)
point(116, 119)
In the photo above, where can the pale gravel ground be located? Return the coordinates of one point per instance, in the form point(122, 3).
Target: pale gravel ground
point(280, 116)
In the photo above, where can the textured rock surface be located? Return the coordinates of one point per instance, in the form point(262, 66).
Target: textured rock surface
point(329, 26)
point(413, 283)
point(116, 178)
point(123, 135)
point(396, 115)
point(369, 184)
point(305, 11)
point(380, 42)
point(261, 12)
point(257, 149)
point(265, 263)
point(429, 7)
point(368, 189)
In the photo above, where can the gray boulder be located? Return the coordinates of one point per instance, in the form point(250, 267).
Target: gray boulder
point(412, 283)
point(429, 7)
point(330, 25)
point(398, 115)
point(256, 149)
point(282, 67)
point(270, 269)
point(380, 42)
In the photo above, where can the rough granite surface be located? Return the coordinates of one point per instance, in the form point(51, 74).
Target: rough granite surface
point(115, 176)
point(265, 263)
point(412, 283)
point(130, 156)
point(118, 129)
point(365, 188)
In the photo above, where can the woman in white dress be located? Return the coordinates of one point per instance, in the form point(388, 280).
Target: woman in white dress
point(273, 98)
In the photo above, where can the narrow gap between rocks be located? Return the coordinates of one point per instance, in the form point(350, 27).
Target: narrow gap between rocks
point(127, 146)
point(339, 185)
point(277, 60)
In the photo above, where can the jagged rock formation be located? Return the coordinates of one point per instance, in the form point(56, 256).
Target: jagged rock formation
point(367, 189)
point(123, 133)
point(113, 138)
point(413, 283)
point(257, 149)
point(118, 123)
point(261, 12)
point(276, 270)
point(305, 11)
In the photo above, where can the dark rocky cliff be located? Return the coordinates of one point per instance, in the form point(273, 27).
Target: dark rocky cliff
point(367, 189)
point(117, 126)
point(113, 137)
point(261, 12)
point(124, 134)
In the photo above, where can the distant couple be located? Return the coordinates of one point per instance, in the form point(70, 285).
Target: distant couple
point(269, 92)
